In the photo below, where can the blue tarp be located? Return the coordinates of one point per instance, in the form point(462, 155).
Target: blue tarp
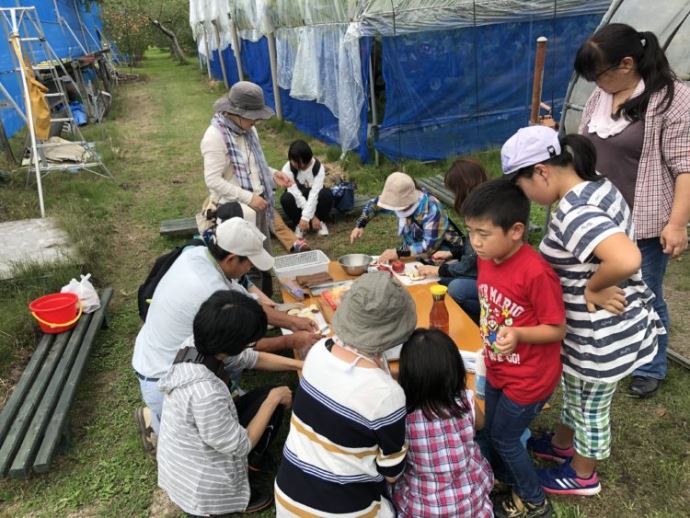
point(64, 43)
point(457, 91)
point(230, 65)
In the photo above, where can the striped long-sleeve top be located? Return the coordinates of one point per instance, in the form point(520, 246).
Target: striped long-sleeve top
point(202, 447)
point(347, 433)
point(601, 346)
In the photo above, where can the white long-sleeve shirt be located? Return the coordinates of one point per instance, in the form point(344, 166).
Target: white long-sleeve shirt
point(314, 183)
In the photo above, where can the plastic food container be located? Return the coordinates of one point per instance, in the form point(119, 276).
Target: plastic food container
point(303, 263)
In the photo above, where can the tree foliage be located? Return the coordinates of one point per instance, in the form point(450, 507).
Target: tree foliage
point(130, 25)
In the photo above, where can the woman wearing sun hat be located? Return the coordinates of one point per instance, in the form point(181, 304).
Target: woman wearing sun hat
point(423, 222)
point(235, 168)
point(347, 432)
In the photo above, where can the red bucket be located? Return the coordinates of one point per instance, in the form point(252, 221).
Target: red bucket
point(56, 312)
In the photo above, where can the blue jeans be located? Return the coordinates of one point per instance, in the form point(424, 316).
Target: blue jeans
point(654, 262)
point(506, 422)
point(464, 292)
point(154, 400)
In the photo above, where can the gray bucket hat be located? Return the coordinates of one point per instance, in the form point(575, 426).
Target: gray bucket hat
point(246, 100)
point(376, 314)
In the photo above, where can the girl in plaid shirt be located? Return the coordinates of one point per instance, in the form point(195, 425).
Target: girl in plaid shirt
point(446, 474)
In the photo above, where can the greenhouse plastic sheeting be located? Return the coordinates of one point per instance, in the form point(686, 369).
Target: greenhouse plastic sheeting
point(63, 42)
point(310, 117)
point(388, 17)
point(457, 91)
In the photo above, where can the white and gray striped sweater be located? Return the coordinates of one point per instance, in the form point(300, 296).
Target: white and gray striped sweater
point(202, 448)
point(600, 346)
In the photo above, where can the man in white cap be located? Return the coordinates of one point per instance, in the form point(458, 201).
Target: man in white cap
point(191, 280)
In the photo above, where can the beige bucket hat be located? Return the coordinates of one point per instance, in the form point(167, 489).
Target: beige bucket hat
point(399, 192)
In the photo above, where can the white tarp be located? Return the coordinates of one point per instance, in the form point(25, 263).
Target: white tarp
point(204, 17)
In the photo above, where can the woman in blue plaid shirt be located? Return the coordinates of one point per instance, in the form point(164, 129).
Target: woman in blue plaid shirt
point(423, 222)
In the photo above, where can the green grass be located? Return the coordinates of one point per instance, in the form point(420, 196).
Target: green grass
point(151, 144)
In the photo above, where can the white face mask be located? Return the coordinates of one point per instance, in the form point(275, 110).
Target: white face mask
point(406, 213)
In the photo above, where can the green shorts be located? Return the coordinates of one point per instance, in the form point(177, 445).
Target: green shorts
point(587, 411)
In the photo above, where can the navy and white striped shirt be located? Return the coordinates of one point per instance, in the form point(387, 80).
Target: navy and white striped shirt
point(600, 346)
point(347, 433)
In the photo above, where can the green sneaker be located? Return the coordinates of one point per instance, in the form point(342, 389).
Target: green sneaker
point(512, 506)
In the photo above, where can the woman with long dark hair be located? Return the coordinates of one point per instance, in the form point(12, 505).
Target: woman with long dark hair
point(638, 119)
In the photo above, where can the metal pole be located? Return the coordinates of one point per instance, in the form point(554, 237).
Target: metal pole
point(374, 108)
point(208, 52)
point(236, 49)
point(274, 74)
point(220, 56)
point(29, 113)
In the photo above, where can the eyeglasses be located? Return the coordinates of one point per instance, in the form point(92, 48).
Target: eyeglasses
point(599, 74)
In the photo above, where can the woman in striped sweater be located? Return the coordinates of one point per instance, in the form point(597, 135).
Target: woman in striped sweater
point(347, 431)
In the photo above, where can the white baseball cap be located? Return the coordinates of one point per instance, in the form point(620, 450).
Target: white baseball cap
point(529, 146)
point(240, 237)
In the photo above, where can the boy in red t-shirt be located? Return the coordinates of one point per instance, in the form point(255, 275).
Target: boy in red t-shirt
point(522, 324)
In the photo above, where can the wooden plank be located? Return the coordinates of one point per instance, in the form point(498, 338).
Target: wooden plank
point(186, 227)
point(23, 419)
point(22, 387)
point(58, 421)
point(181, 227)
point(678, 358)
point(435, 185)
point(21, 465)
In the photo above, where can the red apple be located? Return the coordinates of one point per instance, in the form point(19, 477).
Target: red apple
point(398, 266)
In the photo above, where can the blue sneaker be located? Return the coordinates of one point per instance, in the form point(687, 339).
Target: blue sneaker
point(563, 480)
point(543, 448)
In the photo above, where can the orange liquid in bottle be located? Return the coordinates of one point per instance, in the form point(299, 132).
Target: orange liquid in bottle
point(438, 318)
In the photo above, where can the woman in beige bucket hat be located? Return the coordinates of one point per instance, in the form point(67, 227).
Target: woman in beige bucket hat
point(423, 222)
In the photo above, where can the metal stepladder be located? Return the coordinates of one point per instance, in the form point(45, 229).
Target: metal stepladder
point(37, 62)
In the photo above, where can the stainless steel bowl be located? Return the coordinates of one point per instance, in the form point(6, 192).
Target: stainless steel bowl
point(355, 264)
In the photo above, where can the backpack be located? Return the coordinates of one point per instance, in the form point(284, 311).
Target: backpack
point(343, 196)
point(158, 270)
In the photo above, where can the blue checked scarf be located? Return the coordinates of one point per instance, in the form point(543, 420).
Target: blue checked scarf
point(240, 164)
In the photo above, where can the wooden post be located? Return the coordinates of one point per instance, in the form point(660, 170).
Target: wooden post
point(274, 74)
point(538, 79)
